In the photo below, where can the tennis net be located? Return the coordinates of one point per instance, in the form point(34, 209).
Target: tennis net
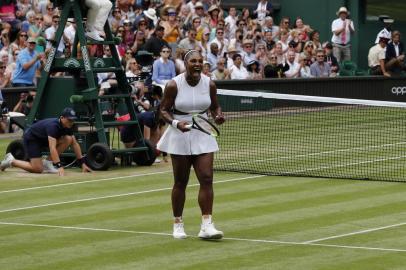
point(283, 134)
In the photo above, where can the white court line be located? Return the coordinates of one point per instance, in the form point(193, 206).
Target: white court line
point(82, 182)
point(121, 195)
point(226, 238)
point(355, 233)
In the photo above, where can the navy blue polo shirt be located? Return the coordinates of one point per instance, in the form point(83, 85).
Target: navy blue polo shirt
point(51, 127)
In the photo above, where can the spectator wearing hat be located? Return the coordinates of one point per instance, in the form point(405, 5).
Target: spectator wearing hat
point(156, 41)
point(320, 69)
point(206, 69)
point(172, 33)
point(214, 14)
point(221, 72)
point(199, 12)
point(376, 57)
point(342, 29)
point(53, 134)
point(150, 16)
point(387, 29)
point(238, 71)
point(395, 54)
point(231, 51)
point(330, 59)
point(192, 4)
point(309, 51)
point(254, 71)
point(248, 54)
point(28, 62)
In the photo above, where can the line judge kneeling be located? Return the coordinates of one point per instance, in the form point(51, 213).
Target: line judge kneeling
point(189, 93)
point(53, 133)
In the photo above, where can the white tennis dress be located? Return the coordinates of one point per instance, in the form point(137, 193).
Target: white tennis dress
point(191, 100)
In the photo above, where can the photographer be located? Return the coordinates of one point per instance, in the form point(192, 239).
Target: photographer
point(25, 103)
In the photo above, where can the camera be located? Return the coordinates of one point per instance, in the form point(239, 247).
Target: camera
point(240, 37)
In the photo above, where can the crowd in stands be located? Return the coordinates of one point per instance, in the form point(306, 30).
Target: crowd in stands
point(236, 44)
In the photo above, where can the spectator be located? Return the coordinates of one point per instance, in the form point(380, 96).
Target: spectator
point(320, 69)
point(279, 53)
point(273, 69)
point(164, 68)
point(309, 51)
point(271, 28)
point(179, 62)
point(70, 32)
point(214, 15)
point(247, 54)
point(264, 8)
point(143, 27)
point(197, 25)
point(342, 29)
point(139, 42)
point(221, 41)
point(20, 42)
point(172, 33)
point(28, 61)
point(261, 55)
point(128, 34)
point(269, 42)
point(238, 71)
point(395, 54)
point(5, 40)
point(254, 70)
point(305, 71)
point(315, 38)
point(221, 73)
point(230, 53)
point(189, 42)
point(387, 30)
point(206, 69)
point(237, 41)
point(284, 40)
point(300, 27)
point(36, 29)
point(3, 79)
point(155, 43)
point(49, 15)
point(376, 57)
point(294, 67)
point(9, 14)
point(115, 20)
point(185, 17)
point(132, 68)
point(151, 18)
point(284, 24)
point(231, 21)
point(213, 56)
point(204, 43)
point(199, 12)
point(192, 4)
point(331, 60)
point(50, 33)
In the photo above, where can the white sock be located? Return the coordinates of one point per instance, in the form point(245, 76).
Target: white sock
point(206, 220)
point(178, 219)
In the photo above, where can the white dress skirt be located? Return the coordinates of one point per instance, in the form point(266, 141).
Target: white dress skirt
point(189, 100)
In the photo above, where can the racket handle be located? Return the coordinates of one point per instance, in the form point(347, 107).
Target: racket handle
point(188, 126)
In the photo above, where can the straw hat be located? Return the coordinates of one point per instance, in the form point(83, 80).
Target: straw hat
point(232, 49)
point(151, 14)
point(247, 41)
point(342, 10)
point(213, 8)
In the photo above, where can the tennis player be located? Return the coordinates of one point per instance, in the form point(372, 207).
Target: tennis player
point(53, 133)
point(190, 93)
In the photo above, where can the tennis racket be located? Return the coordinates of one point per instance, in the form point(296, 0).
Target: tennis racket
point(204, 125)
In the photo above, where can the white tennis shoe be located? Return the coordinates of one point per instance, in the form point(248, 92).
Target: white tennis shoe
point(48, 167)
point(94, 35)
point(179, 231)
point(208, 231)
point(6, 163)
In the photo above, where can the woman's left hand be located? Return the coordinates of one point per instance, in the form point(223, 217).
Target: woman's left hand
point(219, 119)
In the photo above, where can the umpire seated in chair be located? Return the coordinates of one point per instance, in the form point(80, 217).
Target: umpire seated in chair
point(55, 134)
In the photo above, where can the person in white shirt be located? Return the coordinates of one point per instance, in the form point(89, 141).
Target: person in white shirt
point(231, 21)
point(376, 57)
point(50, 36)
point(238, 71)
point(294, 67)
point(342, 29)
point(387, 30)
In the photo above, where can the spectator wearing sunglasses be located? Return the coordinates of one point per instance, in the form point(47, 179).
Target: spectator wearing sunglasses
point(163, 68)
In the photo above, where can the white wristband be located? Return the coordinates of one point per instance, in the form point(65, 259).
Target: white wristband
point(175, 123)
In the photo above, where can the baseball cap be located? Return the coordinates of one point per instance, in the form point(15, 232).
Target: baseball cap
point(69, 113)
point(31, 40)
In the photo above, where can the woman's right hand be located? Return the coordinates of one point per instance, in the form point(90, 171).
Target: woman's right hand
point(184, 126)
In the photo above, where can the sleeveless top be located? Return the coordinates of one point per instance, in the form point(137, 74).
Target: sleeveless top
point(189, 100)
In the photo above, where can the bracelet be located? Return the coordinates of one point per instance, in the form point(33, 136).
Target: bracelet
point(57, 164)
point(175, 123)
